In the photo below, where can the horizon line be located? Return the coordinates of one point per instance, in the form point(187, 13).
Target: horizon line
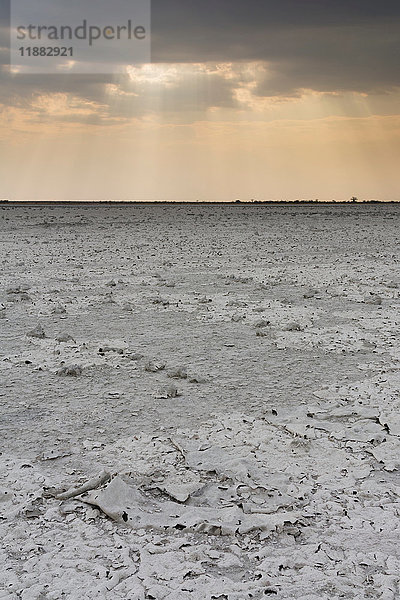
point(352, 201)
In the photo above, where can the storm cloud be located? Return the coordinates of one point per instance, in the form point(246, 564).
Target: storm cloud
point(320, 45)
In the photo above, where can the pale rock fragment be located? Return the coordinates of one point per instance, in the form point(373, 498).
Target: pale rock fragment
point(391, 422)
point(373, 299)
point(194, 378)
point(360, 431)
point(6, 495)
point(128, 307)
point(20, 288)
point(178, 373)
point(154, 366)
point(65, 338)
point(181, 487)
point(237, 318)
point(106, 349)
point(70, 371)
point(387, 453)
point(262, 324)
point(37, 332)
point(168, 391)
point(59, 310)
point(293, 326)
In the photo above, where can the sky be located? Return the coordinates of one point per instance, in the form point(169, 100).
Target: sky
point(242, 99)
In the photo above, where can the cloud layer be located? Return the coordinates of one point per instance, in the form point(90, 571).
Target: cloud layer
point(292, 45)
point(316, 44)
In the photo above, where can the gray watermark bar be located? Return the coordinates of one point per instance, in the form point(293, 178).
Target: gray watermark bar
point(79, 36)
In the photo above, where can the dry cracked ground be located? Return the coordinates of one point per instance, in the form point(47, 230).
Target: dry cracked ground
point(199, 402)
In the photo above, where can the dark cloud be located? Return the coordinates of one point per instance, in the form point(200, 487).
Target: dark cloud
point(323, 45)
point(169, 16)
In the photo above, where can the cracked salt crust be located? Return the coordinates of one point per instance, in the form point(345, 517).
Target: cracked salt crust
point(275, 469)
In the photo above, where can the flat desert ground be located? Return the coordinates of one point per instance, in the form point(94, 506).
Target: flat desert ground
point(199, 402)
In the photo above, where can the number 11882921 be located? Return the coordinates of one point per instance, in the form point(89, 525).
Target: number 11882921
point(62, 51)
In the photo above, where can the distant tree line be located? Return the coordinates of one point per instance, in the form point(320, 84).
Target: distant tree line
point(352, 200)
